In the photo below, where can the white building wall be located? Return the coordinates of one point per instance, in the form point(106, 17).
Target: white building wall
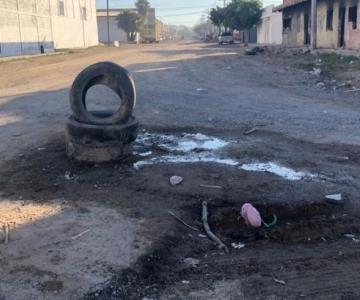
point(116, 33)
point(32, 26)
point(269, 30)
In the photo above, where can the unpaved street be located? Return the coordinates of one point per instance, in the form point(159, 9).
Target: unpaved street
point(105, 232)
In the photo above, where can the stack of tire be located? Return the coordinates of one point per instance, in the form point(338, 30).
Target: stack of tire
point(101, 136)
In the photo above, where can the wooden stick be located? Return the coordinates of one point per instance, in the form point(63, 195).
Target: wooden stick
point(80, 234)
point(211, 186)
point(250, 131)
point(6, 231)
point(208, 231)
point(182, 222)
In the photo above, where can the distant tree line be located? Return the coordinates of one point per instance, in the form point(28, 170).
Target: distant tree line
point(238, 15)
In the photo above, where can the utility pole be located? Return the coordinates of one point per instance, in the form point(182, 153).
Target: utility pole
point(108, 21)
point(313, 24)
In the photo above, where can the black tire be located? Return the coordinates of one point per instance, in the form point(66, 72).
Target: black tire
point(111, 75)
point(81, 133)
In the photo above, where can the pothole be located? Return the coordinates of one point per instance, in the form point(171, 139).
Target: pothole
point(200, 148)
point(296, 224)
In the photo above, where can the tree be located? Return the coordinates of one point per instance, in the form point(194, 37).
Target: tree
point(217, 17)
point(130, 23)
point(243, 14)
point(142, 7)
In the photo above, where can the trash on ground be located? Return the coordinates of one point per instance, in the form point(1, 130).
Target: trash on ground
point(176, 180)
point(334, 199)
point(251, 215)
point(279, 281)
point(68, 175)
point(193, 262)
point(145, 154)
point(185, 281)
point(237, 245)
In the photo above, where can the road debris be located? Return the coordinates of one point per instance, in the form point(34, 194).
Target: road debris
point(200, 90)
point(145, 154)
point(208, 231)
point(6, 233)
point(80, 234)
point(251, 215)
point(176, 180)
point(182, 222)
point(209, 186)
point(334, 199)
point(237, 245)
point(193, 262)
point(316, 72)
point(253, 130)
point(279, 281)
point(68, 175)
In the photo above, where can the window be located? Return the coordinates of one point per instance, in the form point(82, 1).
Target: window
point(353, 16)
point(61, 7)
point(329, 19)
point(287, 24)
point(83, 13)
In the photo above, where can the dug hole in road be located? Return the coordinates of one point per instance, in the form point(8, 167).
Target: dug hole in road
point(82, 231)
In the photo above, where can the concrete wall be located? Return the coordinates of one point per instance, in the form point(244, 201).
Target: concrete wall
point(352, 36)
point(269, 30)
point(326, 38)
point(116, 33)
point(295, 36)
point(30, 26)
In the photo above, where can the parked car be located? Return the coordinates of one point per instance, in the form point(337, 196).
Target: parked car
point(226, 37)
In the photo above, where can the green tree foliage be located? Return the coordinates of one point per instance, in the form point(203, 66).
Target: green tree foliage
point(243, 14)
point(130, 23)
point(142, 7)
point(218, 16)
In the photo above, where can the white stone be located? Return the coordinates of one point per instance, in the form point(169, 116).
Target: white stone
point(176, 180)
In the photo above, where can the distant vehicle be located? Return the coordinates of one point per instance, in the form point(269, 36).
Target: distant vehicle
point(226, 38)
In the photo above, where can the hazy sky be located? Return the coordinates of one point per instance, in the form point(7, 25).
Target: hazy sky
point(182, 12)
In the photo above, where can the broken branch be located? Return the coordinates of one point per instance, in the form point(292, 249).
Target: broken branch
point(208, 231)
point(182, 222)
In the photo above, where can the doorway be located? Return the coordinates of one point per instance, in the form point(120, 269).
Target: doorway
point(306, 30)
point(342, 27)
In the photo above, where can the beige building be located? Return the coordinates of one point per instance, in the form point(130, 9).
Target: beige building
point(36, 26)
point(269, 30)
point(338, 23)
point(116, 33)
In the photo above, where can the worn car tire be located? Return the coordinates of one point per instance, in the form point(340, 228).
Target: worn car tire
point(111, 75)
point(82, 133)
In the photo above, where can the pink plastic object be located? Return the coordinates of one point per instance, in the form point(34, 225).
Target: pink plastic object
point(251, 215)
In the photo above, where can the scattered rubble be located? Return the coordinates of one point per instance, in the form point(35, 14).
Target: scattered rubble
point(176, 180)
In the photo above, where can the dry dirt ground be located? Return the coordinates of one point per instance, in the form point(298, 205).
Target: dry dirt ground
point(105, 232)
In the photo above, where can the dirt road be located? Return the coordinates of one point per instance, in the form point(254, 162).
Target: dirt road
point(105, 232)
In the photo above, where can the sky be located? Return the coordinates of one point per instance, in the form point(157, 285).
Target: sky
point(178, 12)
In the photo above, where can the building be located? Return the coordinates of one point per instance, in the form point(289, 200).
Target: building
point(38, 26)
point(338, 24)
point(118, 34)
point(160, 30)
point(269, 29)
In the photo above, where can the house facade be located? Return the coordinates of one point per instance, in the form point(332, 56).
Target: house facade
point(338, 25)
point(116, 33)
point(39, 26)
point(269, 29)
